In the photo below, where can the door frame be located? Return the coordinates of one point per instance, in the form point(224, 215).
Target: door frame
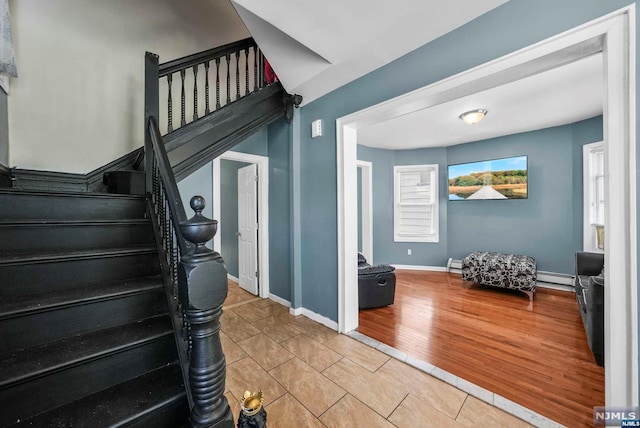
point(617, 30)
point(366, 221)
point(263, 211)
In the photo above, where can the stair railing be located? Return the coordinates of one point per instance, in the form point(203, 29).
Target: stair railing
point(197, 287)
point(195, 276)
point(207, 81)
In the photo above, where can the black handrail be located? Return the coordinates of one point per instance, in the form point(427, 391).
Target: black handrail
point(200, 57)
point(165, 173)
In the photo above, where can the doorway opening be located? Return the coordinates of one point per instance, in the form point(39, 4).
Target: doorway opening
point(244, 205)
point(618, 45)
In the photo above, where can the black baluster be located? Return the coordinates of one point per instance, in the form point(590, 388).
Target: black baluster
point(237, 74)
point(217, 83)
point(183, 119)
point(261, 72)
point(255, 68)
point(169, 104)
point(246, 72)
point(154, 185)
point(206, 88)
point(228, 58)
point(195, 92)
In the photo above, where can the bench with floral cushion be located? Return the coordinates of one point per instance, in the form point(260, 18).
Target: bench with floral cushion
point(511, 271)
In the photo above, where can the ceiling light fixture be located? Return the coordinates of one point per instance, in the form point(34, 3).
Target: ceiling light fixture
point(474, 116)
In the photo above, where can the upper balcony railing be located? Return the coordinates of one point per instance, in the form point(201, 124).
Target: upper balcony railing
point(199, 84)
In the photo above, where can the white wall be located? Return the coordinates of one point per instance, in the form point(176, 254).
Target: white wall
point(78, 101)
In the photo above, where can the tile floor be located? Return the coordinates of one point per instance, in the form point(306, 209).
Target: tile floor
point(312, 376)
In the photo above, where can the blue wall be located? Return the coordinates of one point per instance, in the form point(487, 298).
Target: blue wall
point(544, 225)
point(256, 144)
point(512, 26)
point(547, 225)
point(385, 250)
point(199, 183)
point(279, 210)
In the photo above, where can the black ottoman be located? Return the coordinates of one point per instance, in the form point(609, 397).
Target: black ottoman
point(376, 285)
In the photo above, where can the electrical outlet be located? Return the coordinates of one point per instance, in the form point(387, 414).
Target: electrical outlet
point(409, 251)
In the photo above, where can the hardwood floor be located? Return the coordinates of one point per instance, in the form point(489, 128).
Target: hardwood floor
point(535, 354)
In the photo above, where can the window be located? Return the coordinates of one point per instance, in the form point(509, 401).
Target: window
point(416, 203)
point(594, 198)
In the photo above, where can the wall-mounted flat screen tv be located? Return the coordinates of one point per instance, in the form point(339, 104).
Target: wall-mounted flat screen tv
point(492, 179)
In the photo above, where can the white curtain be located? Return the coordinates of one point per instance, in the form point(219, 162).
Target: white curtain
point(7, 59)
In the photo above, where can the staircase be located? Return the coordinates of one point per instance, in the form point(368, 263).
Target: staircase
point(85, 334)
point(110, 304)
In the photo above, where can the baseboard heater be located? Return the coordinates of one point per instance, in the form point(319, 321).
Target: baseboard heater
point(557, 281)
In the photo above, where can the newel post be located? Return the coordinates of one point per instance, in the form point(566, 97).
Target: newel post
point(203, 288)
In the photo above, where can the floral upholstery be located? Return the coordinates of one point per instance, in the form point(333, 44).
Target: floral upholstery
point(500, 270)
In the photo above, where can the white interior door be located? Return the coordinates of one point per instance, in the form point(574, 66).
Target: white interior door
point(248, 228)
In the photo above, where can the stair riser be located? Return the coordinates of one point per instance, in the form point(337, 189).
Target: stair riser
point(23, 206)
point(36, 278)
point(59, 388)
point(73, 237)
point(34, 329)
point(171, 416)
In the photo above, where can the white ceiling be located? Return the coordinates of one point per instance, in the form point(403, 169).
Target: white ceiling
point(316, 47)
point(555, 97)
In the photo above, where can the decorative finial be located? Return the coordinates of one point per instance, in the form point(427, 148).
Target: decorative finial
point(197, 204)
point(199, 229)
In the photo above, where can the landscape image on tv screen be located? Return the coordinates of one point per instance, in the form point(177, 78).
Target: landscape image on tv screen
point(493, 179)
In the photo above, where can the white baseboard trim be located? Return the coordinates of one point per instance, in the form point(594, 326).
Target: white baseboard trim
point(279, 300)
point(558, 287)
point(233, 278)
point(315, 317)
point(555, 278)
point(295, 311)
point(416, 267)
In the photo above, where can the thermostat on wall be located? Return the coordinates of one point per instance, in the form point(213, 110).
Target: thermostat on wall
point(316, 128)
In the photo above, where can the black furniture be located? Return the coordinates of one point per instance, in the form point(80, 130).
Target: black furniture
point(376, 284)
point(589, 286)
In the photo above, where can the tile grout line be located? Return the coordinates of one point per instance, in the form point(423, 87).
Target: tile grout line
point(396, 408)
point(301, 403)
point(333, 405)
point(460, 409)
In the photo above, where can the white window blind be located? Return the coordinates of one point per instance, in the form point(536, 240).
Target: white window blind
point(416, 203)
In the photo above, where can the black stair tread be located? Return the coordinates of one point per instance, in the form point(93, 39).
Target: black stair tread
point(24, 364)
point(53, 256)
point(119, 405)
point(73, 222)
point(11, 306)
point(15, 191)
